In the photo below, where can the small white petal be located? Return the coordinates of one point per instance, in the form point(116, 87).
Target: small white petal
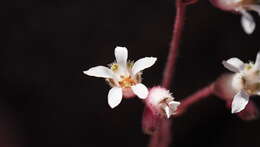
point(99, 71)
point(142, 64)
point(173, 105)
point(115, 96)
point(121, 55)
point(257, 61)
point(247, 22)
point(140, 90)
point(167, 111)
point(239, 102)
point(255, 8)
point(234, 64)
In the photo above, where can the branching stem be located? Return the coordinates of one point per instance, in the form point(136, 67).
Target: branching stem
point(197, 96)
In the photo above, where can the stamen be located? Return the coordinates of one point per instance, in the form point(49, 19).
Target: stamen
point(114, 67)
point(127, 82)
point(130, 64)
point(248, 67)
point(111, 82)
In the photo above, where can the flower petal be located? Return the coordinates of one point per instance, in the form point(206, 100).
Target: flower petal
point(257, 61)
point(142, 64)
point(247, 22)
point(99, 71)
point(140, 90)
point(234, 64)
point(121, 54)
point(239, 102)
point(115, 96)
point(167, 111)
point(173, 105)
point(255, 8)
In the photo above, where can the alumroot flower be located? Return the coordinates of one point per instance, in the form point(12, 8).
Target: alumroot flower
point(159, 105)
point(245, 82)
point(123, 76)
point(161, 102)
point(242, 7)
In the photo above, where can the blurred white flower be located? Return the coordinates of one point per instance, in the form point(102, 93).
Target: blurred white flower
point(161, 102)
point(123, 76)
point(242, 7)
point(245, 82)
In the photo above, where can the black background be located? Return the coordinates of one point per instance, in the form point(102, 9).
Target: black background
point(45, 100)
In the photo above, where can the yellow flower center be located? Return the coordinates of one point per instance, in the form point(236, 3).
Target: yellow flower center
point(253, 88)
point(127, 82)
point(248, 66)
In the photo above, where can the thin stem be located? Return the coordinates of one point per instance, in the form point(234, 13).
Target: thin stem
point(159, 139)
point(197, 96)
point(162, 138)
point(174, 45)
point(154, 141)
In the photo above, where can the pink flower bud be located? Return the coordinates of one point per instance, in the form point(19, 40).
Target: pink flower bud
point(161, 102)
point(223, 87)
point(159, 105)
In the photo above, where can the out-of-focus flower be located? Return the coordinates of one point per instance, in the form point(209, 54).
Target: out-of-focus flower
point(160, 105)
point(123, 76)
point(223, 89)
point(245, 82)
point(242, 7)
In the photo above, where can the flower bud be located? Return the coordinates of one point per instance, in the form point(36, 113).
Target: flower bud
point(161, 102)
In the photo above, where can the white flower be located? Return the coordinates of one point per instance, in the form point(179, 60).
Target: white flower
point(123, 76)
point(245, 82)
point(161, 102)
point(242, 7)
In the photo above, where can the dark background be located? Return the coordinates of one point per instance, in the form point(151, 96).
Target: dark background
point(45, 100)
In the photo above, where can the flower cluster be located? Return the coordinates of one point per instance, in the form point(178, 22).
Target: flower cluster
point(125, 79)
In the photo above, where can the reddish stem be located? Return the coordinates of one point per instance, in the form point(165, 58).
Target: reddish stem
point(197, 96)
point(162, 138)
point(174, 45)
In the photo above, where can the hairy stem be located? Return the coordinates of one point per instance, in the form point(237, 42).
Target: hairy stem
point(174, 45)
point(162, 138)
point(197, 96)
